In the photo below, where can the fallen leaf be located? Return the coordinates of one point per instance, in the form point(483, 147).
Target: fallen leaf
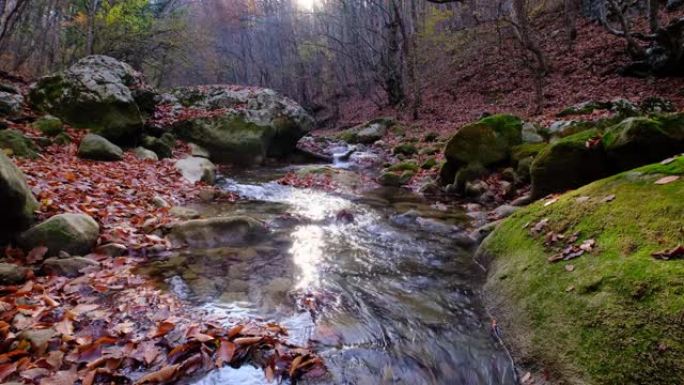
point(674, 253)
point(36, 254)
point(550, 202)
point(569, 268)
point(165, 374)
point(7, 370)
point(62, 377)
point(225, 353)
point(163, 329)
point(608, 198)
point(667, 179)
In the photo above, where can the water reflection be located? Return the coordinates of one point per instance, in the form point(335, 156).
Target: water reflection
point(307, 253)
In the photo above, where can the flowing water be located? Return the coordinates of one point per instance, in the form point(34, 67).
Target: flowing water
point(396, 301)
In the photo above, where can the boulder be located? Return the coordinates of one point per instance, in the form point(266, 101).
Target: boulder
point(49, 125)
point(10, 103)
point(487, 142)
point(531, 133)
point(568, 163)
point(15, 143)
point(642, 140)
point(68, 267)
point(72, 233)
point(18, 203)
point(215, 232)
point(96, 147)
point(252, 124)
point(198, 151)
point(163, 147)
point(368, 132)
point(97, 92)
point(196, 169)
point(144, 154)
point(395, 179)
point(11, 274)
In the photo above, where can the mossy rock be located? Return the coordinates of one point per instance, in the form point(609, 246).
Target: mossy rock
point(406, 149)
point(408, 165)
point(63, 139)
point(160, 146)
point(74, 233)
point(523, 168)
point(616, 317)
point(49, 125)
point(526, 150)
point(429, 164)
point(431, 137)
point(368, 132)
point(13, 142)
point(487, 141)
point(18, 203)
point(568, 163)
point(467, 174)
point(395, 179)
point(642, 140)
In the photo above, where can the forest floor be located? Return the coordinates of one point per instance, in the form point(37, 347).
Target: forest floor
point(496, 81)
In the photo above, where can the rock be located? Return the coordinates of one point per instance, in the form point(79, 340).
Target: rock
point(11, 274)
point(504, 211)
point(145, 154)
point(656, 104)
point(96, 147)
point(583, 108)
point(431, 137)
point(430, 188)
point(184, 213)
point(559, 127)
point(219, 231)
point(196, 169)
point(49, 125)
point(481, 232)
point(523, 168)
point(642, 140)
point(257, 123)
point(15, 143)
point(160, 202)
point(10, 103)
point(487, 142)
point(523, 200)
point(429, 164)
point(111, 249)
point(95, 93)
point(198, 151)
point(368, 132)
point(161, 147)
point(476, 188)
point(393, 179)
point(530, 133)
point(207, 195)
point(18, 203)
point(624, 107)
point(67, 267)
point(73, 233)
point(567, 164)
point(406, 149)
point(468, 174)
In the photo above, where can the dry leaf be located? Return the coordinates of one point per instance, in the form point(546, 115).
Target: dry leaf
point(667, 179)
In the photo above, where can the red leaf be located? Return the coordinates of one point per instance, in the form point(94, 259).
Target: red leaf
point(225, 353)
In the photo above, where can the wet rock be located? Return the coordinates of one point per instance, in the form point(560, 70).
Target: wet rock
point(11, 274)
point(257, 123)
point(96, 147)
point(215, 232)
point(144, 154)
point(196, 169)
point(68, 267)
point(18, 203)
point(481, 232)
point(111, 249)
point(504, 211)
point(73, 233)
point(96, 93)
point(393, 179)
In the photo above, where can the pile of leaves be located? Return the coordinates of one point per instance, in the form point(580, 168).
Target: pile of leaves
point(118, 195)
point(564, 247)
point(113, 326)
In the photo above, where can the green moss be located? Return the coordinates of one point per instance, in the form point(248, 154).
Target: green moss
point(526, 150)
point(405, 149)
point(431, 137)
point(487, 141)
point(429, 164)
point(15, 143)
point(615, 319)
point(408, 165)
point(49, 125)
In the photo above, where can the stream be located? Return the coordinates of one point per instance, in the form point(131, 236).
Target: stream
point(373, 282)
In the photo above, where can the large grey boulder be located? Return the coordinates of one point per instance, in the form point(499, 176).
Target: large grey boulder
point(72, 233)
point(215, 232)
point(195, 169)
point(18, 203)
point(96, 147)
point(97, 92)
point(369, 132)
point(245, 125)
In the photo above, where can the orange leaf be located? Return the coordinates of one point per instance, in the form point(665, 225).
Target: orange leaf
point(165, 374)
point(225, 353)
point(163, 329)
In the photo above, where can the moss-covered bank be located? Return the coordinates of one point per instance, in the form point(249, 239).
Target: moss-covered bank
point(617, 315)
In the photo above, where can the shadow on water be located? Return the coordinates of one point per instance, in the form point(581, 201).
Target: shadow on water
point(383, 293)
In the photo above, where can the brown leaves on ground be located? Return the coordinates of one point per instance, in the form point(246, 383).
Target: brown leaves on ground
point(115, 326)
point(674, 253)
point(564, 246)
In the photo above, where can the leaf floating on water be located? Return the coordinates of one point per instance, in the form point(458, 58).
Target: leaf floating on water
point(674, 253)
point(667, 179)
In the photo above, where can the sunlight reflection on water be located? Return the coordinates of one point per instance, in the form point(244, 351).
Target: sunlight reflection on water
point(307, 253)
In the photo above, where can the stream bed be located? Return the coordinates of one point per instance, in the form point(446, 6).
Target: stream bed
point(373, 282)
